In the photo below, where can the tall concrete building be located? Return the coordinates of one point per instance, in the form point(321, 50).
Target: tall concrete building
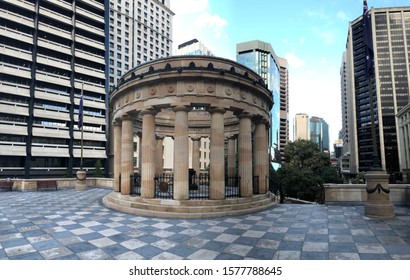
point(261, 58)
point(389, 87)
point(139, 31)
point(301, 127)
point(50, 53)
point(284, 105)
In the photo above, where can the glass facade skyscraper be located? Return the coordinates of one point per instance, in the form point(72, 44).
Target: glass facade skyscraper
point(260, 57)
point(389, 87)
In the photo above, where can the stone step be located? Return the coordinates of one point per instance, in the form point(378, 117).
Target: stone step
point(188, 209)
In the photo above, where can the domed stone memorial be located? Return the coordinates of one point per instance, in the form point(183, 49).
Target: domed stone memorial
point(192, 97)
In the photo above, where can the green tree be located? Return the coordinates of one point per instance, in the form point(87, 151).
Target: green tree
point(98, 170)
point(304, 171)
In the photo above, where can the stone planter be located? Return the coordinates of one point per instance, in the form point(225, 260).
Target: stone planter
point(80, 184)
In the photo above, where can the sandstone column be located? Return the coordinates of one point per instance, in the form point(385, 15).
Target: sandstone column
point(181, 153)
point(126, 155)
point(159, 150)
point(261, 155)
point(231, 156)
point(148, 153)
point(196, 141)
point(117, 155)
point(217, 155)
point(245, 154)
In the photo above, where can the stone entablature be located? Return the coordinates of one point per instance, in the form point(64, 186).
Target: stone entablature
point(197, 82)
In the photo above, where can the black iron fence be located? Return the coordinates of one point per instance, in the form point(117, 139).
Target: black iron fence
point(164, 186)
point(198, 186)
point(232, 186)
point(255, 185)
point(135, 184)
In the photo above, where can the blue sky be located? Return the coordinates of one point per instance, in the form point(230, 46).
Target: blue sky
point(311, 35)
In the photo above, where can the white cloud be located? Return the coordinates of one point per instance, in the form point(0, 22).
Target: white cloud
point(302, 40)
point(342, 15)
point(327, 37)
point(294, 61)
point(212, 22)
point(195, 19)
point(183, 7)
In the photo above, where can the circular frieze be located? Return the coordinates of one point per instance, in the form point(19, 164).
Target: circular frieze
point(137, 95)
point(152, 91)
point(210, 89)
point(243, 95)
point(228, 91)
point(190, 88)
point(254, 99)
point(171, 88)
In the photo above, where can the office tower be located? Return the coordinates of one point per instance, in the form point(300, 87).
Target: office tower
point(319, 133)
point(284, 104)
point(193, 47)
point(301, 127)
point(260, 57)
point(51, 52)
point(139, 31)
point(389, 84)
point(312, 128)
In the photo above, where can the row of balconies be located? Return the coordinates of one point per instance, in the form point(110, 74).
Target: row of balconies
point(42, 150)
point(22, 3)
point(11, 128)
point(28, 38)
point(21, 90)
point(16, 18)
point(62, 115)
point(20, 19)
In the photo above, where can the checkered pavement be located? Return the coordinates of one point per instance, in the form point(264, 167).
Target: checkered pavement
point(67, 224)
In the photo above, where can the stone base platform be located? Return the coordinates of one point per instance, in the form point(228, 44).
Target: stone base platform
point(167, 208)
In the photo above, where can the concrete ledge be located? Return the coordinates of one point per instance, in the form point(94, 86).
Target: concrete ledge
point(31, 184)
point(356, 193)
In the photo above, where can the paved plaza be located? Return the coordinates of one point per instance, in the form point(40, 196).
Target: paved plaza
point(66, 224)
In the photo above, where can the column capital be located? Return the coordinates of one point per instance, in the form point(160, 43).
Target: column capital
point(243, 115)
point(196, 138)
point(260, 120)
point(232, 137)
point(116, 122)
point(159, 137)
point(149, 111)
point(183, 108)
point(216, 110)
point(127, 117)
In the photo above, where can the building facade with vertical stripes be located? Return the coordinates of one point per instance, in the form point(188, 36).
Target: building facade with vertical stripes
point(389, 88)
point(51, 51)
